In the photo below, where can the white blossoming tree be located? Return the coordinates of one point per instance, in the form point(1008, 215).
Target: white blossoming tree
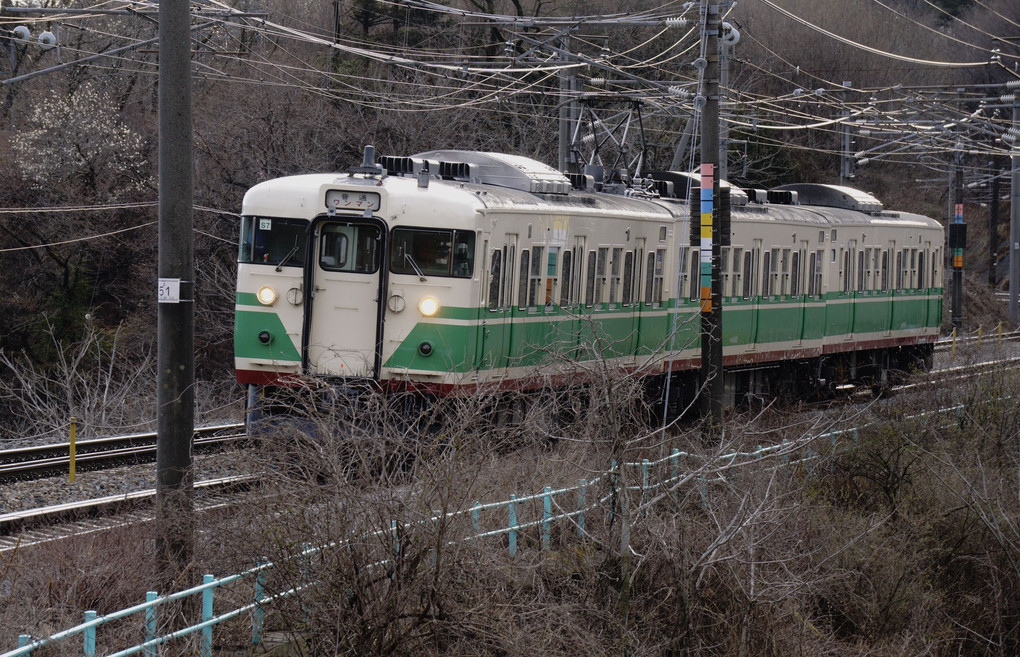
point(79, 140)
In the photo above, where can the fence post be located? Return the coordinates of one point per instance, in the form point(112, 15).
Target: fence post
point(546, 519)
point(90, 635)
point(582, 502)
point(476, 518)
point(150, 622)
point(512, 509)
point(980, 334)
point(674, 462)
point(258, 613)
point(207, 614)
point(71, 451)
point(24, 640)
point(644, 485)
point(952, 352)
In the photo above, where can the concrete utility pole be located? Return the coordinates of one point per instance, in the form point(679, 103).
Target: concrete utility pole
point(711, 252)
point(846, 160)
point(568, 85)
point(957, 240)
point(993, 221)
point(1014, 218)
point(175, 397)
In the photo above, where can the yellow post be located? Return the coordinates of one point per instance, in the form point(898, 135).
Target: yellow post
point(980, 332)
point(74, 432)
point(953, 352)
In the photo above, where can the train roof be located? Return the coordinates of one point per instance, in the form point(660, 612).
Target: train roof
point(496, 182)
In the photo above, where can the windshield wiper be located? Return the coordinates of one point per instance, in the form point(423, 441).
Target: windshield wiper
point(287, 257)
point(415, 267)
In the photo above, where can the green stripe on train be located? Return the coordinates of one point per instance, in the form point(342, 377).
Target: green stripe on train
point(247, 326)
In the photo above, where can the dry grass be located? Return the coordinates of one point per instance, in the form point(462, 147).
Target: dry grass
point(901, 540)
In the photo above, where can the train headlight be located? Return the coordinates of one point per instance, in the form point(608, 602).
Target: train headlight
point(428, 306)
point(266, 295)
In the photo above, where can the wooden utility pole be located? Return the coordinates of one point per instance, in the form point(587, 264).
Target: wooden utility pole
point(175, 398)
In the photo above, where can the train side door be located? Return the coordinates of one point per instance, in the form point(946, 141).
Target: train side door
point(497, 333)
point(344, 284)
point(752, 270)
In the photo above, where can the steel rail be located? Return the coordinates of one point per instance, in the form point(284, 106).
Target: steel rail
point(43, 460)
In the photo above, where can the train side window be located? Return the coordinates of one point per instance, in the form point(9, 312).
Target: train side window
point(784, 281)
point(589, 289)
point(899, 270)
point(775, 285)
point(600, 275)
point(649, 277)
point(695, 275)
point(737, 258)
point(885, 271)
point(639, 254)
point(861, 259)
point(550, 275)
point(615, 263)
point(628, 278)
point(913, 267)
point(766, 281)
point(795, 274)
point(920, 271)
point(846, 273)
point(748, 277)
point(812, 263)
point(724, 268)
point(683, 275)
point(535, 278)
point(566, 279)
point(495, 279)
point(660, 264)
point(522, 286)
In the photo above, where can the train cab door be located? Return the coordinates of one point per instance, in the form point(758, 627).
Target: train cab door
point(344, 283)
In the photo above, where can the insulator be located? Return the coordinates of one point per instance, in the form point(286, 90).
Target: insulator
point(1007, 98)
point(588, 139)
point(680, 91)
point(676, 21)
point(597, 82)
point(1013, 84)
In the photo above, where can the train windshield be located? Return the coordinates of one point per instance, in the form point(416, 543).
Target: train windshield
point(433, 252)
point(272, 241)
point(349, 247)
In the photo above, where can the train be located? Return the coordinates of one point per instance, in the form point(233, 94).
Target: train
point(450, 271)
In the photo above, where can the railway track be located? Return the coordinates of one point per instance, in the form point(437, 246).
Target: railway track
point(22, 529)
point(98, 453)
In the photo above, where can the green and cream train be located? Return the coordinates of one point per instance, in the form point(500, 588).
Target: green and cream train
point(451, 271)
